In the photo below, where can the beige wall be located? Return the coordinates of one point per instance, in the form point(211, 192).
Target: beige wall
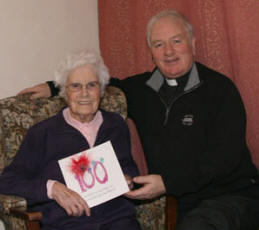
point(36, 34)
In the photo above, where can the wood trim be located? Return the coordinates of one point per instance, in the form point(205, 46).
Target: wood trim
point(32, 219)
point(170, 213)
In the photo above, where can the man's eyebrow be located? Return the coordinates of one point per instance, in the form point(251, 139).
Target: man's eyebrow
point(178, 35)
point(157, 40)
point(174, 36)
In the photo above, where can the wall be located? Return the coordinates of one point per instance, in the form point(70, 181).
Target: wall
point(35, 36)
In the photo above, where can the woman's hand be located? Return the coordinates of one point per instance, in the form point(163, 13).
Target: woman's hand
point(71, 201)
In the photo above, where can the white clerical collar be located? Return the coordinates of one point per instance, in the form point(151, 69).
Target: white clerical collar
point(171, 82)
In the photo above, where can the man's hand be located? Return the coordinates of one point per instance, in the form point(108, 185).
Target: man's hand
point(38, 91)
point(152, 186)
point(129, 181)
point(71, 201)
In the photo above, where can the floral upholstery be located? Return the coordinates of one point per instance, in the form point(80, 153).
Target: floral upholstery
point(11, 222)
point(18, 113)
point(151, 214)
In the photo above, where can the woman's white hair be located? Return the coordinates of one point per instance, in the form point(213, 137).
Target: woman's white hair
point(174, 15)
point(79, 59)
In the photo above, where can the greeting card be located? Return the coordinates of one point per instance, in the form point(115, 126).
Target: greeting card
point(95, 174)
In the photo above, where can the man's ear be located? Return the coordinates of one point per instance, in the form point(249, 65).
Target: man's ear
point(193, 46)
point(153, 60)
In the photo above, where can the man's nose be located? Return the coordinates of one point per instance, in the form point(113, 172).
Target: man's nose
point(168, 49)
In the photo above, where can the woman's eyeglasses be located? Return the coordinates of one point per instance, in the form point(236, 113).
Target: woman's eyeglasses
point(76, 87)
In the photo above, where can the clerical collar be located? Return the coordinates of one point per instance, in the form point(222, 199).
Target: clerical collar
point(171, 82)
point(157, 79)
point(181, 81)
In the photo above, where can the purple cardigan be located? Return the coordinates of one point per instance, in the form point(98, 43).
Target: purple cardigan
point(36, 162)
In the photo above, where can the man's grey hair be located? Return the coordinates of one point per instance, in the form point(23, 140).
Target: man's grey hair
point(79, 59)
point(174, 15)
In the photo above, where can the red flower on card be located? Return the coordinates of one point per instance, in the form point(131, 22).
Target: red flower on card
point(80, 166)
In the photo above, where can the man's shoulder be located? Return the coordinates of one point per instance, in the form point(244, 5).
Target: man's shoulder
point(203, 69)
point(216, 81)
point(208, 74)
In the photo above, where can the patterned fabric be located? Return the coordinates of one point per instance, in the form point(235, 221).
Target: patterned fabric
point(11, 222)
point(19, 113)
point(151, 214)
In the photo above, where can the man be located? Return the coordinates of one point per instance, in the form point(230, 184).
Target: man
point(192, 123)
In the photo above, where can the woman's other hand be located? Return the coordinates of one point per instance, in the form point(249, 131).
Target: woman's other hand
point(70, 200)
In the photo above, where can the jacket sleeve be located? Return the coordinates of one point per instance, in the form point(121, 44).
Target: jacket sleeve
point(26, 176)
point(123, 84)
point(224, 159)
point(226, 150)
point(54, 90)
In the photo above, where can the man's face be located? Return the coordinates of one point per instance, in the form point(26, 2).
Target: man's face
point(171, 47)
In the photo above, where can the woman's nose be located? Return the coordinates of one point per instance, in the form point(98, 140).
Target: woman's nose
point(84, 91)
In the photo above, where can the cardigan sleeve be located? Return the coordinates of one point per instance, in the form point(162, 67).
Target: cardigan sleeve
point(26, 176)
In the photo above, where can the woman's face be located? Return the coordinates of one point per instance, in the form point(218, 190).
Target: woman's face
point(83, 93)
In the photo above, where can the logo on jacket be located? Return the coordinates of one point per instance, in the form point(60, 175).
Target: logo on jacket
point(188, 119)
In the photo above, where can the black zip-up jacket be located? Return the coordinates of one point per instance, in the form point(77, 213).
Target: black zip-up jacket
point(198, 142)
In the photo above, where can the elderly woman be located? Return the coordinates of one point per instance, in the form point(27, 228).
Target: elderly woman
point(35, 173)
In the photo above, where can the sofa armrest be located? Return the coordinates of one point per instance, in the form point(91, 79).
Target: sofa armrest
point(8, 202)
point(27, 216)
point(14, 215)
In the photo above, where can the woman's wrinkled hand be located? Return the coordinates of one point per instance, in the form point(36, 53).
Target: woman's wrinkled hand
point(70, 200)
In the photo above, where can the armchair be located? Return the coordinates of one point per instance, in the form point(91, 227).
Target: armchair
point(18, 113)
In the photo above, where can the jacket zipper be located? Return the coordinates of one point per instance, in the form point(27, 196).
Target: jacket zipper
point(168, 108)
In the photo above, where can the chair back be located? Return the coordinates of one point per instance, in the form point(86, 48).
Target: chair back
point(19, 113)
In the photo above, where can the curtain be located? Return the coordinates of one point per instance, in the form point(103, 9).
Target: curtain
point(227, 40)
